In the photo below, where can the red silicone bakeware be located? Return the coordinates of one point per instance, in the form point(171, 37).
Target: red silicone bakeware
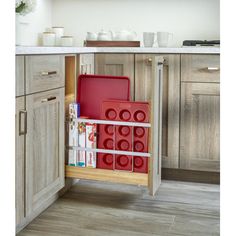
point(126, 138)
point(106, 140)
point(123, 142)
point(125, 111)
point(140, 143)
point(92, 90)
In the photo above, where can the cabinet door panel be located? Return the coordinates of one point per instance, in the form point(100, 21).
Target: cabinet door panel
point(116, 65)
point(200, 126)
point(170, 101)
point(20, 130)
point(19, 77)
point(44, 146)
point(154, 172)
point(86, 64)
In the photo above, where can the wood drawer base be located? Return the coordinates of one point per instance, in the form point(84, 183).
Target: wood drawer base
point(191, 176)
point(107, 175)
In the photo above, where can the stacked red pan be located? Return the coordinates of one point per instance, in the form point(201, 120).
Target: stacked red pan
point(125, 138)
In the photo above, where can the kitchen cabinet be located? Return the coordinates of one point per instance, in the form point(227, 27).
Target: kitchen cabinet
point(200, 68)
point(152, 179)
point(200, 126)
point(44, 73)
point(200, 113)
point(19, 77)
point(117, 65)
point(44, 147)
point(39, 134)
point(20, 132)
point(86, 64)
point(170, 101)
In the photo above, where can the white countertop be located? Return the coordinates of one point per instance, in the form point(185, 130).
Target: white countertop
point(28, 50)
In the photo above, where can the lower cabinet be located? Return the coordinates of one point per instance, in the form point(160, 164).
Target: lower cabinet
point(20, 116)
point(44, 147)
point(200, 126)
point(117, 65)
point(39, 152)
point(170, 101)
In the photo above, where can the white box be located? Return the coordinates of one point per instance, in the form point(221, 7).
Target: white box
point(81, 143)
point(72, 160)
point(73, 133)
point(91, 142)
point(74, 110)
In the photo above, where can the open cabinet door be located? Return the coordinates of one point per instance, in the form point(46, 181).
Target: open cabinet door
point(156, 124)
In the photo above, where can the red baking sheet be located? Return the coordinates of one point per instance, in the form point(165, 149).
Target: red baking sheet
point(92, 90)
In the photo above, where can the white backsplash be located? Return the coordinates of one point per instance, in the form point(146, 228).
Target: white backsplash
point(186, 19)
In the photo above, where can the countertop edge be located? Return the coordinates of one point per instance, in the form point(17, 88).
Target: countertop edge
point(28, 50)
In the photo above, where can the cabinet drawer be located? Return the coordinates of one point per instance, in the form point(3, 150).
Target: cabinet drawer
point(44, 73)
point(200, 68)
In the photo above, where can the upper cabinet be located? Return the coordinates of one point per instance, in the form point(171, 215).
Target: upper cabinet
point(19, 77)
point(170, 101)
point(117, 65)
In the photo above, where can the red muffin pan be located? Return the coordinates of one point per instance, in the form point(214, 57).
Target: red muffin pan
point(106, 140)
point(125, 111)
point(94, 89)
point(140, 143)
point(125, 138)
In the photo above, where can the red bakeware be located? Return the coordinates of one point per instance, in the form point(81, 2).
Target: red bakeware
point(131, 139)
point(125, 111)
point(140, 144)
point(92, 90)
point(123, 162)
point(106, 140)
point(123, 142)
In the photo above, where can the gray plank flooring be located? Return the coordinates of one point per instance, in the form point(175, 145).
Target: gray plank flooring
point(93, 208)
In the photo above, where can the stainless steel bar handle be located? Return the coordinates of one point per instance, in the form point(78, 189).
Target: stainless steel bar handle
point(213, 68)
point(24, 131)
point(48, 99)
point(44, 73)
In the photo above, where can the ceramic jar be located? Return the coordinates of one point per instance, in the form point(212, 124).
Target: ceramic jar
point(59, 32)
point(66, 41)
point(49, 39)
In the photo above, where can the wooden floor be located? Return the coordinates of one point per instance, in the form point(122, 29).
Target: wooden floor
point(103, 209)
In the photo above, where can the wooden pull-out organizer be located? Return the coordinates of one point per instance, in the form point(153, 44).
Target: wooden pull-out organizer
point(152, 179)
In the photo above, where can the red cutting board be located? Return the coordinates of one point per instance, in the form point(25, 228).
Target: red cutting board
point(92, 90)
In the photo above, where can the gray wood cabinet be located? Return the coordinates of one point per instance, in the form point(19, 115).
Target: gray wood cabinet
point(117, 65)
point(44, 73)
point(39, 134)
point(200, 126)
point(44, 147)
point(200, 113)
point(19, 77)
point(200, 68)
point(170, 101)
point(86, 64)
point(20, 132)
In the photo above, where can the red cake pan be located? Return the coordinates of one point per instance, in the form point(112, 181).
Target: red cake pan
point(92, 90)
